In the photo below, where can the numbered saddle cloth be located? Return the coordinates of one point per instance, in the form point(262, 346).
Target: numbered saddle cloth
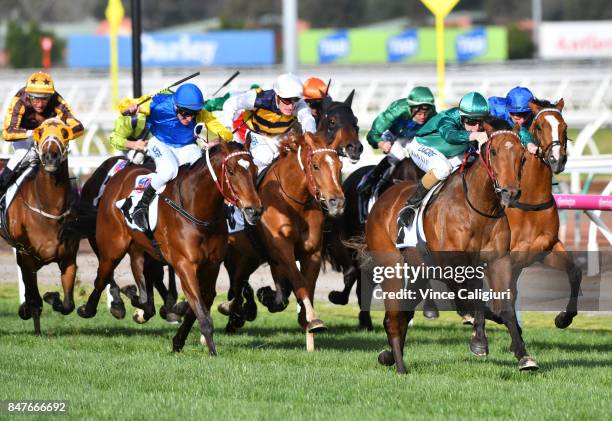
point(119, 165)
point(128, 204)
point(414, 234)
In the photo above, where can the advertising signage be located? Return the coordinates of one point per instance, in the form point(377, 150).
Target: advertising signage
point(396, 46)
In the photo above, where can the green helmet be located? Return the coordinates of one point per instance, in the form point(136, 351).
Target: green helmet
point(420, 95)
point(473, 105)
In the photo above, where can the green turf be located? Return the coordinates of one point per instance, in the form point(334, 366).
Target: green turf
point(117, 369)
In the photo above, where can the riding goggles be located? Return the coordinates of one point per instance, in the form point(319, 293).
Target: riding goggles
point(288, 101)
point(471, 121)
point(524, 114)
point(185, 112)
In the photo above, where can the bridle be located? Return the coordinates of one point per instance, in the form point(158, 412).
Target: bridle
point(544, 153)
point(486, 162)
point(232, 197)
point(312, 185)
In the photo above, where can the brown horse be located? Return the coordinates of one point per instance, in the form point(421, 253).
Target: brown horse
point(303, 181)
point(87, 210)
point(534, 220)
point(465, 219)
point(191, 232)
point(35, 221)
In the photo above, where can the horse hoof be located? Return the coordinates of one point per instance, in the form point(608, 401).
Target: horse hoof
point(117, 310)
point(564, 319)
point(250, 306)
point(129, 291)
point(84, 313)
point(24, 312)
point(224, 308)
point(431, 314)
point(339, 298)
point(180, 308)
point(467, 319)
point(139, 317)
point(237, 320)
point(315, 325)
point(212, 351)
point(528, 364)
point(386, 358)
point(51, 297)
point(173, 318)
point(479, 349)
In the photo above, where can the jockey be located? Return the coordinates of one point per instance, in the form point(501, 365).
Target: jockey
point(514, 108)
point(400, 121)
point(30, 106)
point(130, 132)
point(439, 146)
point(270, 114)
point(171, 119)
point(314, 92)
point(216, 104)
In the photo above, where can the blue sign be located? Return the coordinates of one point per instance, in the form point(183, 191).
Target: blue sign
point(224, 48)
point(334, 46)
point(471, 44)
point(402, 46)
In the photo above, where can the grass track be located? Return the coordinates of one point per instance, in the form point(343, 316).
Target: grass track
point(117, 369)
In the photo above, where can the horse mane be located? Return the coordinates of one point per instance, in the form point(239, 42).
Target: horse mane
point(498, 123)
point(201, 161)
point(544, 103)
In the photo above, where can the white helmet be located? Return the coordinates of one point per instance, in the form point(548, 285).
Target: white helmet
point(288, 85)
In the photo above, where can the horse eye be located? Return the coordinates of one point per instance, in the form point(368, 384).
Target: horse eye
point(493, 153)
point(315, 167)
point(230, 171)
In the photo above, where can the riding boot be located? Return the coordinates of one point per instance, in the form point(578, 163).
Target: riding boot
point(384, 180)
point(139, 216)
point(407, 213)
point(6, 178)
point(365, 187)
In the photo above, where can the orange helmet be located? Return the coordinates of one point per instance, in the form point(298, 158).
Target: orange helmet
point(314, 88)
point(40, 84)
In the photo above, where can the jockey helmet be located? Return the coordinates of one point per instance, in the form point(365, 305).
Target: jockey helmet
point(314, 88)
point(40, 85)
point(189, 96)
point(473, 105)
point(288, 85)
point(517, 100)
point(420, 95)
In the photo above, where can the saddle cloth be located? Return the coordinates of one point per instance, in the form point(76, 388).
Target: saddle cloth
point(128, 204)
point(414, 234)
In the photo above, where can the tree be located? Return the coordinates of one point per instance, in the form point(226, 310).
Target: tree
point(23, 45)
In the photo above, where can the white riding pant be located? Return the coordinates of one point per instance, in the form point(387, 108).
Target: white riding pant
point(430, 159)
point(399, 150)
point(21, 147)
point(168, 159)
point(263, 150)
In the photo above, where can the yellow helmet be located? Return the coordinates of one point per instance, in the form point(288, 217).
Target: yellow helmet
point(40, 84)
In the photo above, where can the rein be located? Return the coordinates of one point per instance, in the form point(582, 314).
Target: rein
point(312, 185)
point(233, 199)
point(490, 173)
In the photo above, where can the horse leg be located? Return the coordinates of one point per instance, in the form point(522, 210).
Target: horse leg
point(350, 271)
point(117, 308)
point(501, 279)
point(365, 320)
point(68, 270)
point(178, 341)
point(396, 327)
point(143, 274)
point(32, 306)
point(171, 299)
point(188, 275)
point(310, 267)
point(560, 259)
point(106, 268)
point(239, 269)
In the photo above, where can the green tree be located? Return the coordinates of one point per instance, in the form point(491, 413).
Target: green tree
point(520, 44)
point(23, 45)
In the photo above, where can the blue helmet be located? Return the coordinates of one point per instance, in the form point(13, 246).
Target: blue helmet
point(517, 100)
point(189, 96)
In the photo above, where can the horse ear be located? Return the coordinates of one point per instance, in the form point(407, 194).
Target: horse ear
point(327, 101)
point(36, 134)
point(309, 139)
point(560, 104)
point(65, 134)
point(349, 99)
point(486, 125)
point(534, 107)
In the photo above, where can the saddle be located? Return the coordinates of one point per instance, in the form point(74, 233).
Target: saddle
point(7, 199)
point(128, 204)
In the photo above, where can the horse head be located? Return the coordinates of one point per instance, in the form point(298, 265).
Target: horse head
point(337, 119)
point(323, 168)
point(550, 131)
point(502, 156)
point(234, 175)
point(52, 138)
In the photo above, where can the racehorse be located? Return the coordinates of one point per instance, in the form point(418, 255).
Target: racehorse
point(534, 220)
point(87, 211)
point(295, 190)
point(464, 218)
point(341, 230)
point(191, 233)
point(35, 221)
point(338, 116)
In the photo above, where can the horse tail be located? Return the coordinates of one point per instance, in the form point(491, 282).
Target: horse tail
point(83, 221)
point(358, 244)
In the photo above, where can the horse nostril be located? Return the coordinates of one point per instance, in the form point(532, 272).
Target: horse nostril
point(333, 202)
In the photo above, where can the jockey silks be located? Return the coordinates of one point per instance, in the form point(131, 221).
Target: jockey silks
point(165, 125)
point(266, 118)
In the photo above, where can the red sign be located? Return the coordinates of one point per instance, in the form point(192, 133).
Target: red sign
point(46, 43)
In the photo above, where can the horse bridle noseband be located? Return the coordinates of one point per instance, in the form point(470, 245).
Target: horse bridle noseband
point(233, 197)
point(548, 149)
point(39, 148)
point(312, 185)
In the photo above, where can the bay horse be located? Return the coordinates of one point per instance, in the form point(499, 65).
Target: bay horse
point(191, 233)
point(336, 117)
point(35, 222)
point(464, 218)
point(87, 210)
point(295, 190)
point(534, 219)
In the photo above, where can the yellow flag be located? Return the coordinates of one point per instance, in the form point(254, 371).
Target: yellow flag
point(440, 7)
point(114, 15)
